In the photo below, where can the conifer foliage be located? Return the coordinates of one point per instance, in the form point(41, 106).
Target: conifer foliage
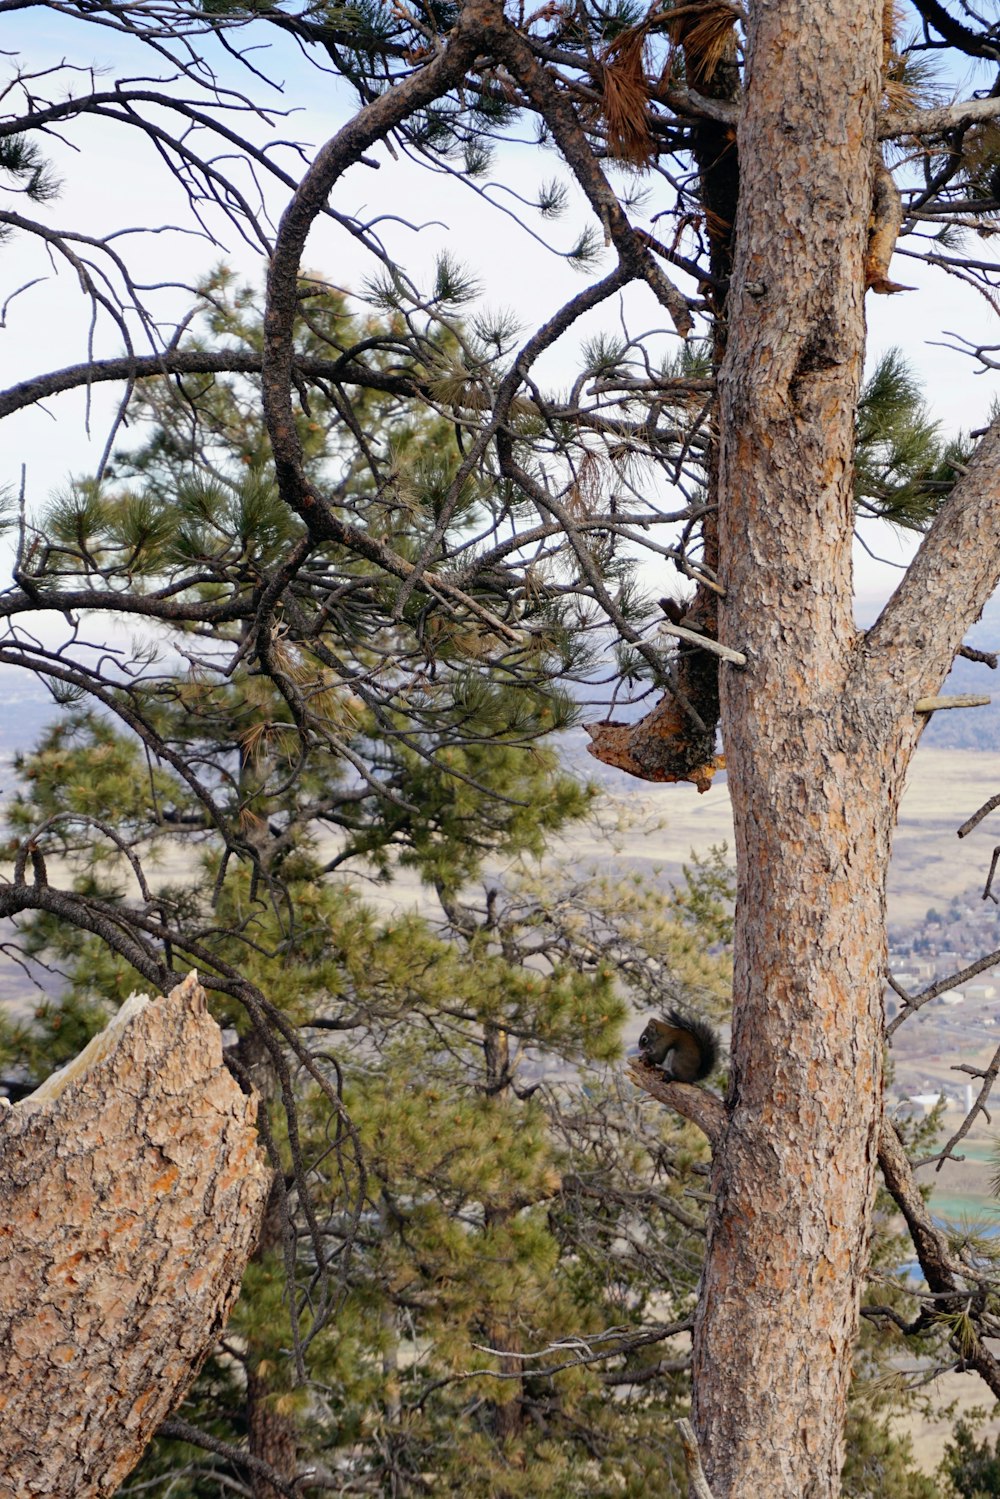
point(464, 1192)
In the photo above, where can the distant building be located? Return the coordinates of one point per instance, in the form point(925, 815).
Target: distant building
point(920, 1104)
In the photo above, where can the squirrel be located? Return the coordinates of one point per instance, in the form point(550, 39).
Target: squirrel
point(685, 1047)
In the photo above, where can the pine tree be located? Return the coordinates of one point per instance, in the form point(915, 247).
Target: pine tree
point(503, 1222)
point(467, 1222)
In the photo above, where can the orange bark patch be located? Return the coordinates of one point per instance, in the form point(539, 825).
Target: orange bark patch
point(140, 1404)
point(664, 746)
point(163, 1183)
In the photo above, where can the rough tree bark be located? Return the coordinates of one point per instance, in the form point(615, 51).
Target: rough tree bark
point(818, 730)
point(132, 1187)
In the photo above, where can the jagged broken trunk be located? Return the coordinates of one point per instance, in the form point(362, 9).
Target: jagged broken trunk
point(131, 1189)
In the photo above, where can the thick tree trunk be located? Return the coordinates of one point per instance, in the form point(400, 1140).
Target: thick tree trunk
point(813, 774)
point(272, 1435)
point(132, 1186)
point(818, 731)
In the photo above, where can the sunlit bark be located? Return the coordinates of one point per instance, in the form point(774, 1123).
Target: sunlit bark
point(132, 1187)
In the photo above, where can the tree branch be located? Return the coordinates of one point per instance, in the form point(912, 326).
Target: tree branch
point(373, 123)
point(912, 644)
point(931, 1246)
point(701, 1107)
point(926, 122)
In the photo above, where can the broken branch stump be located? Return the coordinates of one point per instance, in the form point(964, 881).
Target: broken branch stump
point(131, 1190)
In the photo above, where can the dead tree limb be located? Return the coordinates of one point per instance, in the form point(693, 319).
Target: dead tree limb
point(131, 1190)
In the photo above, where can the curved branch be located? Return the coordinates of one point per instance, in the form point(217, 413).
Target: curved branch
point(372, 124)
point(568, 134)
point(698, 1105)
point(931, 1246)
point(972, 43)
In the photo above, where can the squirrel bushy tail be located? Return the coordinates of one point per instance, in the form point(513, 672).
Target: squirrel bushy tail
point(684, 1045)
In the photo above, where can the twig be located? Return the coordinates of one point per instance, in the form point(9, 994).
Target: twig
point(707, 644)
point(915, 1002)
point(692, 1459)
point(977, 817)
point(985, 658)
point(938, 704)
point(989, 1077)
point(988, 891)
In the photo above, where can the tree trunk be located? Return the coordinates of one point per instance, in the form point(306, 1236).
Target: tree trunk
point(814, 774)
point(272, 1433)
point(818, 732)
point(132, 1187)
point(507, 1411)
